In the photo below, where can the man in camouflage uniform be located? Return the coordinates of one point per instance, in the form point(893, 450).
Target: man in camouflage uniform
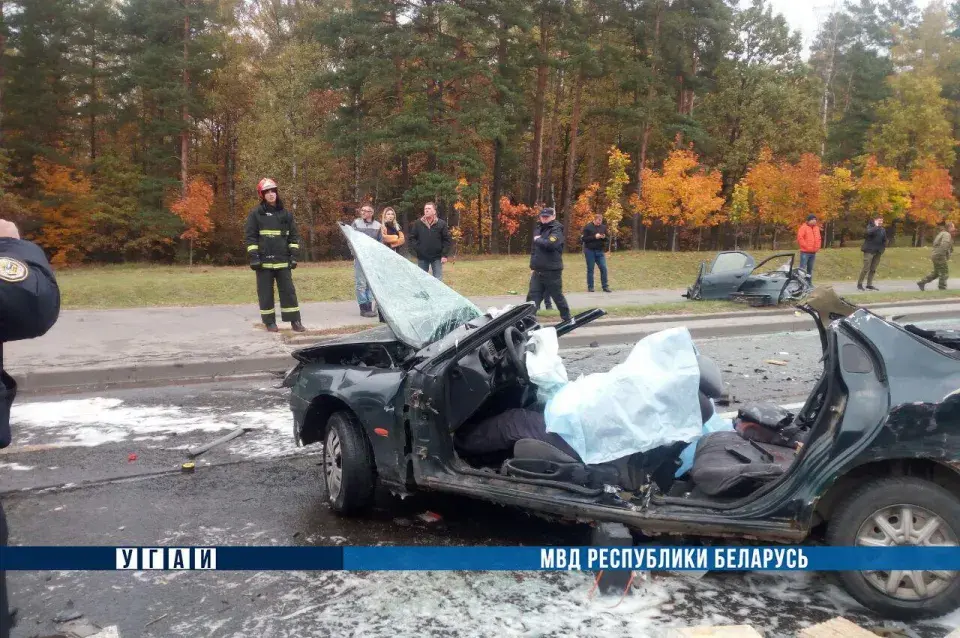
point(942, 250)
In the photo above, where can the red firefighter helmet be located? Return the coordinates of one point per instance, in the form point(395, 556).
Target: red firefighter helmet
point(265, 184)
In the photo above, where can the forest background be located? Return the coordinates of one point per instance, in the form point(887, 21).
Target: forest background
point(136, 130)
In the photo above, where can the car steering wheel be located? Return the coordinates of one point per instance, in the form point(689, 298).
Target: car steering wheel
point(514, 340)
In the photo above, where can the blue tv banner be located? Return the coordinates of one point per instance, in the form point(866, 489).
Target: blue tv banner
point(645, 557)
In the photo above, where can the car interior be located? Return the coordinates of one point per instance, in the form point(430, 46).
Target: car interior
point(497, 406)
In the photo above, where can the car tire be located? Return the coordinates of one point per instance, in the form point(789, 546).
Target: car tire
point(347, 461)
point(885, 499)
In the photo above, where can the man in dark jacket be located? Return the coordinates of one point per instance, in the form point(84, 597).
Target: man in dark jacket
point(546, 263)
point(29, 306)
point(594, 238)
point(874, 243)
point(430, 241)
point(273, 243)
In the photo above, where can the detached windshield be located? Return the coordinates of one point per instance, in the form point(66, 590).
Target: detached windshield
point(419, 308)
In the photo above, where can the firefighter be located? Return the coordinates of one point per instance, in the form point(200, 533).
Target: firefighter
point(29, 306)
point(273, 244)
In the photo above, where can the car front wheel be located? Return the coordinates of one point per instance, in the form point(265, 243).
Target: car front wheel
point(348, 469)
point(900, 512)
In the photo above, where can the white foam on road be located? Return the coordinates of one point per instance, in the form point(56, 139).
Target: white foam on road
point(98, 421)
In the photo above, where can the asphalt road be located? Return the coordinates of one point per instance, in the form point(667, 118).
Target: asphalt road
point(71, 480)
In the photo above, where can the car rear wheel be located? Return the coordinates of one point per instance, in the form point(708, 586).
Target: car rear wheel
point(900, 512)
point(348, 470)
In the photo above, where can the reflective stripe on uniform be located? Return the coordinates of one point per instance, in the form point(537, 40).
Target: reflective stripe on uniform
point(297, 309)
point(275, 266)
point(252, 248)
point(294, 245)
point(268, 312)
point(270, 233)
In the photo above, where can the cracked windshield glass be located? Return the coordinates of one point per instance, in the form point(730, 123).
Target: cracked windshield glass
point(418, 308)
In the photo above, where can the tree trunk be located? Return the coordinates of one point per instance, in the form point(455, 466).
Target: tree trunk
point(185, 133)
point(673, 239)
point(191, 252)
point(826, 84)
point(648, 124)
point(552, 140)
point(93, 93)
point(539, 105)
point(572, 153)
point(495, 196)
point(480, 220)
point(699, 239)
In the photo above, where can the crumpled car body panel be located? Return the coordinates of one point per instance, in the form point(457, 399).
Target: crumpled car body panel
point(736, 276)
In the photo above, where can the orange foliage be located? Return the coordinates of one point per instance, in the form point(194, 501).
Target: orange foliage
point(511, 215)
point(932, 191)
point(683, 194)
point(66, 209)
point(194, 209)
point(584, 209)
point(881, 192)
point(783, 193)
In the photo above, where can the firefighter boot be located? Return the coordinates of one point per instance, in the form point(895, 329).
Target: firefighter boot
point(297, 326)
point(272, 327)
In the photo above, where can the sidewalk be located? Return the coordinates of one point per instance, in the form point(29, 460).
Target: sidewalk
point(110, 346)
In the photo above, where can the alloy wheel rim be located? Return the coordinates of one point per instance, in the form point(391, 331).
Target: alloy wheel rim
point(907, 525)
point(333, 464)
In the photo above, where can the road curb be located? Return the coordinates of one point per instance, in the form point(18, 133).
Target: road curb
point(599, 333)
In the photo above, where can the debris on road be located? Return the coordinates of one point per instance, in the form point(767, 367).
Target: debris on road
point(132, 457)
point(108, 632)
point(79, 627)
point(67, 616)
point(430, 517)
point(188, 468)
point(197, 451)
point(838, 627)
point(775, 362)
point(155, 620)
point(727, 631)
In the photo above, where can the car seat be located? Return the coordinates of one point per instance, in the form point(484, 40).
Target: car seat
point(539, 459)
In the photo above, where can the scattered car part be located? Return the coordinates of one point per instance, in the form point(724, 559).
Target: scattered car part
point(197, 451)
point(735, 275)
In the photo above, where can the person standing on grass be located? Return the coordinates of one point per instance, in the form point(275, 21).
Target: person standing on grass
point(546, 263)
point(430, 241)
point(942, 251)
point(273, 243)
point(810, 241)
point(594, 238)
point(392, 235)
point(29, 307)
point(874, 243)
point(370, 227)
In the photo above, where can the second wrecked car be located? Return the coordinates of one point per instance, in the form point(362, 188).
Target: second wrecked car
point(736, 276)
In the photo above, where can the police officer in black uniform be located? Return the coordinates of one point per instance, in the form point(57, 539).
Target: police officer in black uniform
point(29, 306)
point(273, 243)
point(546, 262)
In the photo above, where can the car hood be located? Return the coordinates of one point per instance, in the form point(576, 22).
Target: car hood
point(417, 307)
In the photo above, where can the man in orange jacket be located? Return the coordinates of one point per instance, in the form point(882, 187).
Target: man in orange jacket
point(810, 240)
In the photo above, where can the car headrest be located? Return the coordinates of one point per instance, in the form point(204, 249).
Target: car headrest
point(706, 407)
point(711, 380)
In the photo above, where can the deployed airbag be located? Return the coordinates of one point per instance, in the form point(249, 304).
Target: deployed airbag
point(649, 400)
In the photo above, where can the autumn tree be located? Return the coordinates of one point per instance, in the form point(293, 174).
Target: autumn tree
point(511, 216)
point(932, 199)
point(880, 192)
point(912, 124)
point(65, 206)
point(584, 209)
point(682, 194)
point(193, 208)
point(617, 161)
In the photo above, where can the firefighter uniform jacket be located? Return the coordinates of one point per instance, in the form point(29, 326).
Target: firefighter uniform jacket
point(29, 306)
point(272, 238)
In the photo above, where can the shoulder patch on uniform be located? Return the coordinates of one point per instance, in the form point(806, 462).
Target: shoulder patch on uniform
point(553, 239)
point(13, 270)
